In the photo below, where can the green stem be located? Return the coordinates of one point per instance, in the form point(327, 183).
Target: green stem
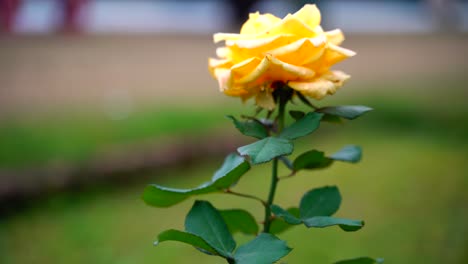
point(292, 174)
point(271, 196)
point(228, 191)
point(231, 261)
point(274, 171)
point(281, 110)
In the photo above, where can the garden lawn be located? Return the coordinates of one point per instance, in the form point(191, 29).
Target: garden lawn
point(410, 189)
point(76, 136)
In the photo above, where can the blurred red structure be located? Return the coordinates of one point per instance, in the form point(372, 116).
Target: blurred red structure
point(8, 11)
point(70, 10)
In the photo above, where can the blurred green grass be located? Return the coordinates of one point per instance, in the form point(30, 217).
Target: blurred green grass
point(76, 136)
point(411, 192)
point(410, 187)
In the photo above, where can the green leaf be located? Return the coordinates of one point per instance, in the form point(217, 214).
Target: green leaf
point(205, 221)
point(287, 216)
point(238, 220)
point(187, 238)
point(264, 249)
point(350, 153)
point(161, 196)
point(296, 114)
point(315, 210)
point(266, 149)
point(278, 225)
point(331, 119)
point(233, 168)
point(347, 111)
point(302, 127)
point(319, 204)
point(325, 221)
point(250, 128)
point(361, 260)
point(313, 159)
point(323, 201)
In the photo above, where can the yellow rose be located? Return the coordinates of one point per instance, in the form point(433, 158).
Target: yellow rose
point(294, 50)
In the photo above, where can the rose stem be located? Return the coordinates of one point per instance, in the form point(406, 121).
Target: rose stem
point(283, 99)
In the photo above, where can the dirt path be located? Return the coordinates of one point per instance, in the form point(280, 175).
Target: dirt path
point(42, 73)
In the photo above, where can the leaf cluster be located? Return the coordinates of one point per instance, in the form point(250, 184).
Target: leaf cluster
point(210, 230)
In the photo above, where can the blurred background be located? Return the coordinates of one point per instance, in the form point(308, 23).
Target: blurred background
point(100, 97)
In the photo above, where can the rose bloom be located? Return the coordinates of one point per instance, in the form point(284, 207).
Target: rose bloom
point(294, 50)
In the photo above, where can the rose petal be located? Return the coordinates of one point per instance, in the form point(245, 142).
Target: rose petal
point(318, 30)
point(302, 51)
point(243, 68)
point(340, 50)
point(332, 55)
point(223, 52)
point(245, 49)
point(258, 23)
point(316, 89)
point(253, 43)
point(224, 78)
point(335, 54)
point(238, 91)
point(272, 69)
point(264, 99)
point(337, 77)
point(335, 36)
point(290, 25)
point(309, 14)
point(226, 85)
point(320, 87)
point(255, 73)
point(215, 63)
